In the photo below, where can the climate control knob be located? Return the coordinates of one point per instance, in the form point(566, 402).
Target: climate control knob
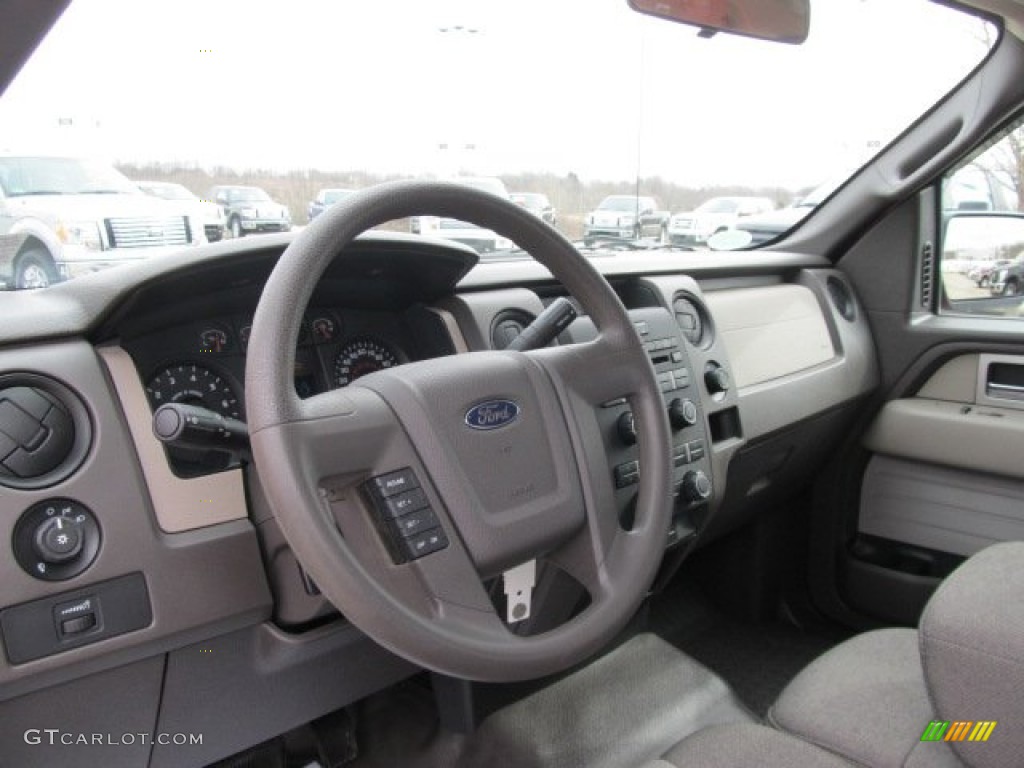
point(682, 413)
point(696, 486)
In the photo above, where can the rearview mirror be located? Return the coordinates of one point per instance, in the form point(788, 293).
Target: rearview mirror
point(782, 21)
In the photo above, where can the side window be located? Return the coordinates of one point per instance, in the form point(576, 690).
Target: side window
point(982, 259)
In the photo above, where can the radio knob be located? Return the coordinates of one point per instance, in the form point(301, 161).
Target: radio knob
point(696, 486)
point(682, 413)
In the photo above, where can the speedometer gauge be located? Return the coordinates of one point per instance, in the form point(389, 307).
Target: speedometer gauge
point(193, 385)
point(359, 357)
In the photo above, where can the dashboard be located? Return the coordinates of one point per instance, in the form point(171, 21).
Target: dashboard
point(188, 579)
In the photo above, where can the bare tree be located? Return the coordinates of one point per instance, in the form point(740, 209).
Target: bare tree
point(1003, 162)
point(1003, 167)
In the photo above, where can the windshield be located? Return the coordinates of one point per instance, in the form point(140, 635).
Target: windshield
point(22, 176)
point(678, 119)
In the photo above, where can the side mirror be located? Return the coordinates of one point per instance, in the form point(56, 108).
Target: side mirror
point(983, 237)
point(977, 248)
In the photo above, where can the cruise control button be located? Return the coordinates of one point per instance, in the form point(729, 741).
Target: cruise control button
point(394, 483)
point(403, 503)
point(424, 543)
point(409, 525)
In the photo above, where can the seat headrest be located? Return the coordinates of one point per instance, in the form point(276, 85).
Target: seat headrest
point(972, 649)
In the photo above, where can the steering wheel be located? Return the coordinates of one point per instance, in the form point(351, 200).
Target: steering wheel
point(504, 446)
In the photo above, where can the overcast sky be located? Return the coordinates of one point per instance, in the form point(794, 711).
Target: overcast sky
point(581, 86)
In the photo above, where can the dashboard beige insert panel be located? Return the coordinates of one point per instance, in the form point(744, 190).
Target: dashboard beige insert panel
point(770, 331)
point(180, 504)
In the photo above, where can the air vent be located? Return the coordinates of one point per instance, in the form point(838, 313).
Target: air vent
point(841, 298)
point(507, 325)
point(44, 431)
point(692, 320)
point(927, 274)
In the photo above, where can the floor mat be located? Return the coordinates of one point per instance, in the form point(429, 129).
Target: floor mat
point(622, 709)
point(399, 728)
point(757, 660)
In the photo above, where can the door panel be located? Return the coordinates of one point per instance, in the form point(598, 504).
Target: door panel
point(946, 473)
point(933, 471)
point(937, 508)
point(943, 480)
point(951, 434)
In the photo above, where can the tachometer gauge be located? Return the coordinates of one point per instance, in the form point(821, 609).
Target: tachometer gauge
point(193, 385)
point(359, 357)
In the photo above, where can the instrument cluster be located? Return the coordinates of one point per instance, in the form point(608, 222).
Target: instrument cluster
point(203, 363)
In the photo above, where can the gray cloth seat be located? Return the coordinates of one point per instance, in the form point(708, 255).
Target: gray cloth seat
point(746, 745)
point(868, 701)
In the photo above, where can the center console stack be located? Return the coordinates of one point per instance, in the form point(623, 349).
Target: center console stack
point(679, 382)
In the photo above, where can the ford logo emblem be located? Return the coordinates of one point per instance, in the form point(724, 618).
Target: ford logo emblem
point(494, 414)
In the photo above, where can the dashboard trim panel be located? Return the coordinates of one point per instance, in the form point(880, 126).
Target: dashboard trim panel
point(180, 504)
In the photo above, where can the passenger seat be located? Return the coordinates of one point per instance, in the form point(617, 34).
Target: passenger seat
point(870, 700)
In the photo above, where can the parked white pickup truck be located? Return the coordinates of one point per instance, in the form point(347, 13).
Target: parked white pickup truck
point(61, 217)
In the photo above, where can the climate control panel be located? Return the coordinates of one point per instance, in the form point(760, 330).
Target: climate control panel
point(680, 390)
